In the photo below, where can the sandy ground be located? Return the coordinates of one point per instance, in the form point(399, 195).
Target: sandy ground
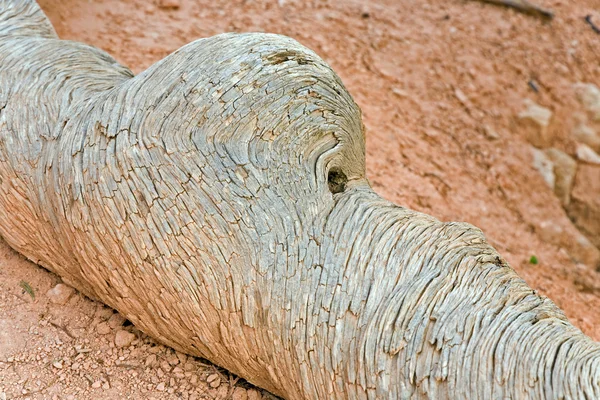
point(440, 83)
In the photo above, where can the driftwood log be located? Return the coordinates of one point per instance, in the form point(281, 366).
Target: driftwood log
point(218, 200)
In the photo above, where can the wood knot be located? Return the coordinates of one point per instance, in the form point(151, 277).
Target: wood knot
point(287, 55)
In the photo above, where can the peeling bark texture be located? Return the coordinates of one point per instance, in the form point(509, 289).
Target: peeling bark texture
point(218, 200)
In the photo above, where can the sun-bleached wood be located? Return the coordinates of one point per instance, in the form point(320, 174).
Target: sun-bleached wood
point(218, 200)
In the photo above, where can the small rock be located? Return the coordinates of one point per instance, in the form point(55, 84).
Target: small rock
point(96, 385)
point(561, 68)
point(181, 357)
point(151, 360)
point(551, 231)
point(177, 370)
point(254, 394)
point(214, 380)
point(589, 96)
point(116, 321)
point(586, 154)
point(124, 338)
point(60, 294)
point(172, 359)
point(400, 92)
point(239, 394)
point(588, 136)
point(535, 119)
point(564, 172)
point(58, 364)
point(103, 328)
point(165, 366)
point(462, 97)
point(544, 165)
point(104, 313)
point(169, 4)
point(106, 386)
point(490, 133)
point(584, 209)
point(189, 366)
point(585, 252)
point(222, 392)
point(160, 387)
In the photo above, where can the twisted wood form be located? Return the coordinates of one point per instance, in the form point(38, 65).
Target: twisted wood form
point(218, 200)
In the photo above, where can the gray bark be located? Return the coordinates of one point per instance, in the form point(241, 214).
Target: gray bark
point(219, 201)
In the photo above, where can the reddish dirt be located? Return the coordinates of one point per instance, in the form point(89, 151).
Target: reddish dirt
point(428, 75)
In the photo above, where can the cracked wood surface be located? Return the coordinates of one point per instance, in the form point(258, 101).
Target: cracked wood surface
point(194, 198)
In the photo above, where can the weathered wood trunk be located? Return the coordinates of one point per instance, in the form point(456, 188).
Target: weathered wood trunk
point(218, 200)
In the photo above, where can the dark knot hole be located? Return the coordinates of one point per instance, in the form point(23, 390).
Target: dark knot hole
point(336, 180)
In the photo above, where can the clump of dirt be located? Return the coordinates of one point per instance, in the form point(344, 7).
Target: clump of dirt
point(441, 85)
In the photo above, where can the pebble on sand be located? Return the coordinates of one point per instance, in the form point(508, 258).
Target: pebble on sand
point(60, 294)
point(124, 338)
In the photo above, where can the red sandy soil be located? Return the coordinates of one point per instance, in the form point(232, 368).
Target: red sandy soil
point(429, 76)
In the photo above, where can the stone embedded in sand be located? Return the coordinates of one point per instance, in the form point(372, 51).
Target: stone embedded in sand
point(172, 359)
point(586, 154)
point(239, 394)
point(214, 380)
point(116, 320)
point(534, 121)
point(60, 294)
point(181, 357)
point(550, 231)
point(103, 328)
point(124, 338)
point(544, 165)
point(589, 96)
point(178, 373)
point(104, 313)
point(575, 243)
point(588, 136)
point(189, 366)
point(151, 360)
point(165, 366)
point(564, 169)
point(584, 209)
point(584, 251)
point(253, 394)
point(490, 132)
